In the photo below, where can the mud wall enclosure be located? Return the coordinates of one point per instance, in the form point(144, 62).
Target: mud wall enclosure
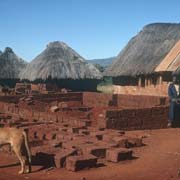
point(130, 112)
point(77, 130)
point(127, 112)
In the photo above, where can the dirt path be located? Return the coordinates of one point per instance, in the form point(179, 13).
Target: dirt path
point(158, 160)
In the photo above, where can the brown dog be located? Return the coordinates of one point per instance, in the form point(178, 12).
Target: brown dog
point(17, 138)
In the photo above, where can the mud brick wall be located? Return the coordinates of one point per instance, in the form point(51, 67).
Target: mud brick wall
point(121, 100)
point(10, 99)
point(71, 99)
point(132, 119)
point(30, 115)
point(60, 97)
point(39, 110)
point(111, 111)
point(96, 99)
point(140, 101)
point(42, 102)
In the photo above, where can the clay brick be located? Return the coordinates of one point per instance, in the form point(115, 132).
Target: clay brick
point(98, 151)
point(64, 129)
point(36, 115)
point(110, 123)
point(55, 143)
point(35, 143)
point(155, 121)
point(134, 142)
point(122, 123)
point(65, 124)
point(143, 113)
point(63, 136)
point(99, 137)
point(49, 136)
point(98, 134)
point(52, 117)
point(44, 159)
point(74, 130)
point(121, 141)
point(69, 145)
point(113, 113)
point(135, 122)
point(76, 163)
point(128, 113)
point(60, 157)
point(118, 154)
point(117, 123)
point(85, 123)
point(44, 148)
point(120, 132)
point(157, 111)
point(79, 137)
point(84, 131)
point(107, 137)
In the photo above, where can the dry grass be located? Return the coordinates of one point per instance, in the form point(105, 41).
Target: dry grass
point(105, 89)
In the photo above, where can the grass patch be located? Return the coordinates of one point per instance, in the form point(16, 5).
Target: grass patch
point(105, 89)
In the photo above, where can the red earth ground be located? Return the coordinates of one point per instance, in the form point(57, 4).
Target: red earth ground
point(159, 159)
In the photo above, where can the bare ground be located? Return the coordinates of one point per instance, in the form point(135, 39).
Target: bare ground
point(159, 159)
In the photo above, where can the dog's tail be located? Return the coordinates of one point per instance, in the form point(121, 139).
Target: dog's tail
point(27, 148)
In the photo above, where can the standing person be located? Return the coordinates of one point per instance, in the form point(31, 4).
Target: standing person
point(172, 93)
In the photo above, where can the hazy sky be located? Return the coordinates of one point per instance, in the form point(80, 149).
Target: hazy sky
point(94, 28)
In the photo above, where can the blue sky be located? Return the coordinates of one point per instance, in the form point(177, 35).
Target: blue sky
point(94, 28)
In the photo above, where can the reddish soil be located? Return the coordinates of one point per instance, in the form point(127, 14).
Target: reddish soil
point(159, 159)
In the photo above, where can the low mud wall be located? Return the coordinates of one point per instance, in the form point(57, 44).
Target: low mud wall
point(15, 111)
point(123, 101)
point(97, 99)
point(108, 111)
point(143, 118)
point(140, 101)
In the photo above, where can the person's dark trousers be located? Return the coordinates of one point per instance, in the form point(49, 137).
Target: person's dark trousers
point(177, 114)
point(171, 111)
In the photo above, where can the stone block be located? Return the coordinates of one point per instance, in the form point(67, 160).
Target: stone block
point(60, 157)
point(74, 130)
point(121, 141)
point(98, 151)
point(76, 163)
point(118, 154)
point(84, 131)
point(134, 142)
point(54, 109)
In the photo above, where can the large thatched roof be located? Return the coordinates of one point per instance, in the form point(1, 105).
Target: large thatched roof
point(59, 61)
point(146, 50)
point(10, 64)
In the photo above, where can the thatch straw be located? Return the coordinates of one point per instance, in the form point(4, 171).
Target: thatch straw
point(146, 50)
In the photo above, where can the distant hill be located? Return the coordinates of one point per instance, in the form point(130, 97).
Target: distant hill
point(59, 61)
point(103, 62)
point(146, 50)
point(10, 64)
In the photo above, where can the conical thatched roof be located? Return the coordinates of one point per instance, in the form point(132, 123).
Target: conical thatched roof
point(59, 61)
point(146, 50)
point(10, 64)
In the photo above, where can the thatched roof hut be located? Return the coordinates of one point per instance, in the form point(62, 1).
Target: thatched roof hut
point(59, 61)
point(146, 53)
point(10, 64)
